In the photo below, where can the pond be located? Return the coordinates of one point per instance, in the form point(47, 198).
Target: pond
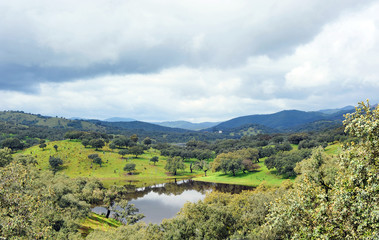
point(165, 200)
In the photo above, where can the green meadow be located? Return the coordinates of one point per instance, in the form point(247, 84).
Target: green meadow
point(269, 177)
point(77, 164)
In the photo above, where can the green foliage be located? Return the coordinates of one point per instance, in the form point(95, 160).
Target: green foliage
point(285, 162)
point(173, 164)
point(127, 213)
point(97, 143)
point(335, 198)
point(203, 165)
point(40, 205)
point(136, 150)
point(134, 138)
point(147, 141)
point(98, 160)
point(154, 159)
point(85, 142)
point(93, 156)
point(12, 143)
point(5, 156)
point(55, 163)
point(129, 167)
point(42, 145)
point(123, 152)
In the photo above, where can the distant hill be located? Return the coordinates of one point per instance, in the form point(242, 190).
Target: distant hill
point(247, 130)
point(28, 119)
point(137, 125)
point(187, 125)
point(287, 120)
point(336, 110)
point(119, 119)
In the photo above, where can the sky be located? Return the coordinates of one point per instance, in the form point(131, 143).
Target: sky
point(186, 60)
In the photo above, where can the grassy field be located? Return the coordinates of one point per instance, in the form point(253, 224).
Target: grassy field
point(96, 221)
point(333, 149)
point(248, 179)
point(76, 163)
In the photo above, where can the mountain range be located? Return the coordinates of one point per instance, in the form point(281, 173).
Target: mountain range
point(283, 121)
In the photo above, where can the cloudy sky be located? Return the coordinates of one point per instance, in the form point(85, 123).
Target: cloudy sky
point(190, 60)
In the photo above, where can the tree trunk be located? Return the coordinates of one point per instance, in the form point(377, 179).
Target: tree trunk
point(108, 213)
point(205, 173)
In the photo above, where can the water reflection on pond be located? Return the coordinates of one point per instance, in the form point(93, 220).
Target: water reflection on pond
point(165, 200)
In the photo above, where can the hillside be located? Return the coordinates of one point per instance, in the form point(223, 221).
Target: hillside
point(136, 125)
point(77, 164)
point(288, 120)
point(27, 119)
point(187, 125)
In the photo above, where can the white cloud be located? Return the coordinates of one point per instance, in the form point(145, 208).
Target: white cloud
point(213, 63)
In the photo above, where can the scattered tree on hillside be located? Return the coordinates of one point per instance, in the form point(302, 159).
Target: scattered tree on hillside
point(147, 141)
point(154, 159)
point(55, 163)
point(98, 160)
point(56, 148)
point(97, 143)
point(134, 138)
point(130, 167)
point(85, 142)
point(42, 146)
point(123, 152)
point(136, 150)
point(12, 143)
point(93, 156)
point(173, 164)
point(112, 146)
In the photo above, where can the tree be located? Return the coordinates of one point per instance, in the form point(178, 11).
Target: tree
point(37, 204)
point(335, 198)
point(5, 156)
point(12, 143)
point(127, 212)
point(154, 159)
point(85, 142)
point(93, 156)
point(112, 146)
point(228, 162)
point(203, 165)
point(285, 162)
point(56, 148)
point(136, 150)
point(121, 141)
point(97, 143)
point(42, 145)
point(173, 164)
point(98, 160)
point(231, 165)
point(129, 167)
point(134, 138)
point(147, 141)
point(123, 152)
point(55, 163)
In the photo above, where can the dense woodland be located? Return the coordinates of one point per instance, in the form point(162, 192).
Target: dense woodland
point(332, 197)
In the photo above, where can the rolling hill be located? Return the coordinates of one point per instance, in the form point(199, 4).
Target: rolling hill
point(187, 125)
point(287, 120)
